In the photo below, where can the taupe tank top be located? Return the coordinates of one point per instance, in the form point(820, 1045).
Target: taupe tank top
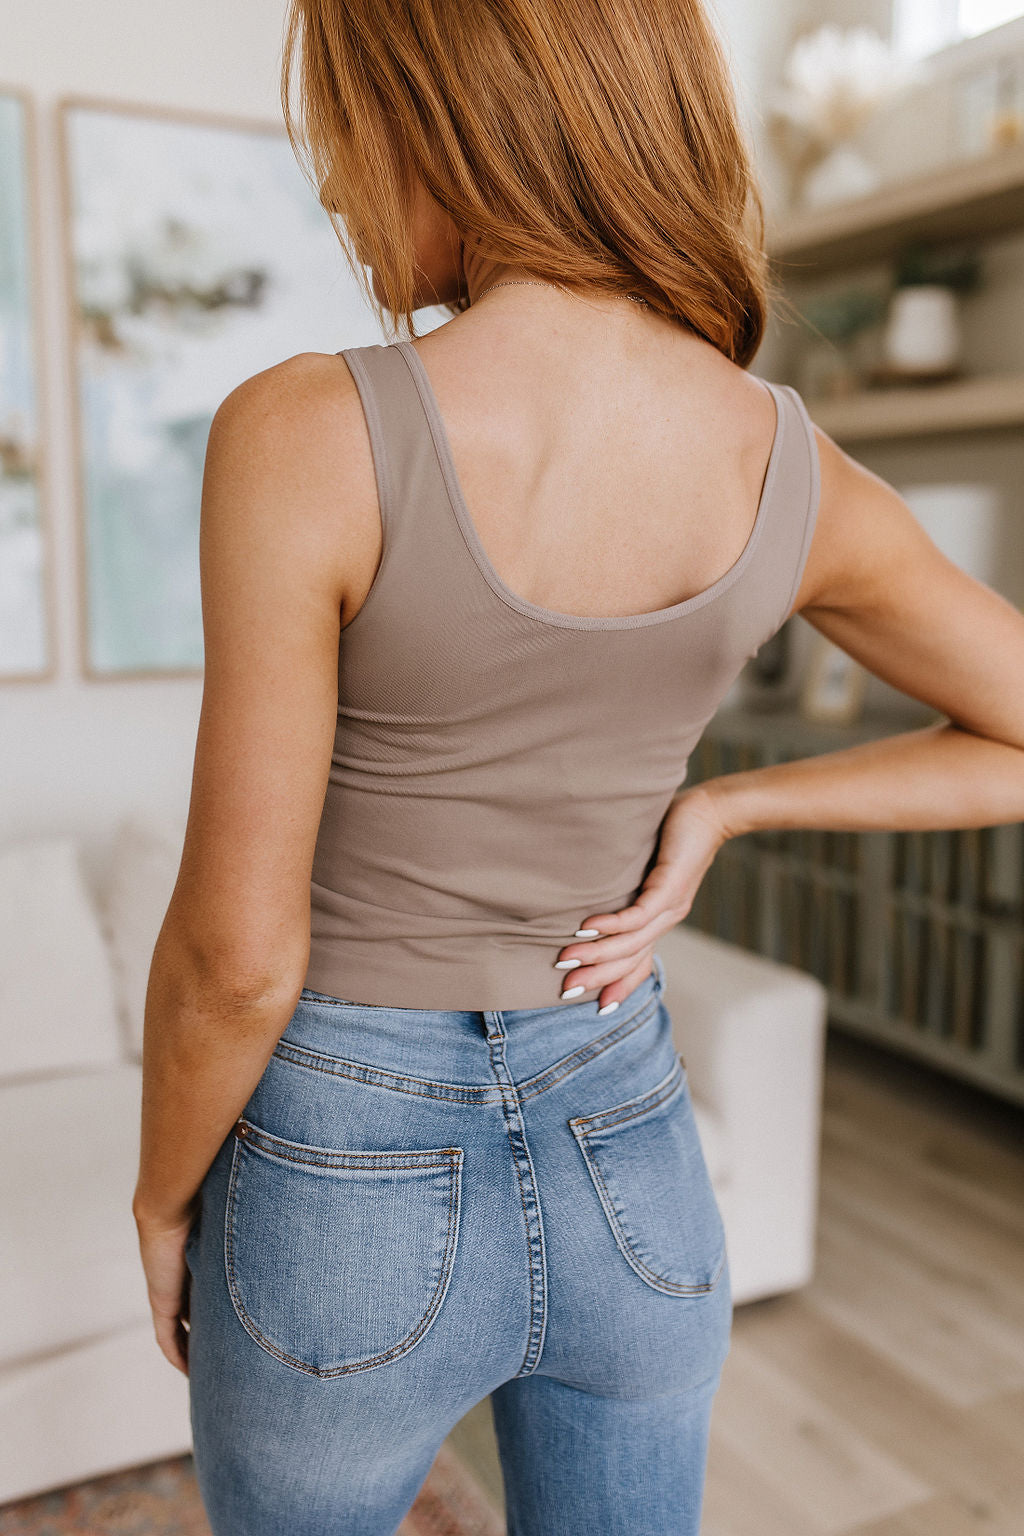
point(500, 770)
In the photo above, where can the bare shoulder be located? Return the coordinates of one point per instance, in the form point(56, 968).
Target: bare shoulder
point(866, 542)
point(290, 444)
point(309, 390)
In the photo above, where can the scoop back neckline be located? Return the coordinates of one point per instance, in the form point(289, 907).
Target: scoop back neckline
point(552, 616)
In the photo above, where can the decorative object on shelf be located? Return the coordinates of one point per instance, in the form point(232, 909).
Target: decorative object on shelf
point(964, 521)
point(990, 100)
point(836, 322)
point(834, 82)
point(1007, 122)
point(25, 643)
point(198, 256)
point(922, 333)
point(833, 690)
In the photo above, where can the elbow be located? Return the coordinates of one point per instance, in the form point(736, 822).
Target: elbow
point(230, 975)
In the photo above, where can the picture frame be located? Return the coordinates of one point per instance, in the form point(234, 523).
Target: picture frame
point(27, 619)
point(834, 686)
point(197, 255)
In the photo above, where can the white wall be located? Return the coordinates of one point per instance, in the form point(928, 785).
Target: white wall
point(76, 754)
point(757, 37)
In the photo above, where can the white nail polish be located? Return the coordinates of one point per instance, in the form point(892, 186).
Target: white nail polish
point(573, 991)
point(567, 965)
point(587, 933)
point(608, 1008)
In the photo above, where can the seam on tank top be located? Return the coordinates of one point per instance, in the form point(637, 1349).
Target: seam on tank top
point(452, 917)
point(368, 901)
point(580, 622)
point(382, 470)
point(813, 498)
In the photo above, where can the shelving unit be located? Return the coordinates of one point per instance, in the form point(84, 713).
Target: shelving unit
point(980, 196)
point(918, 936)
point(968, 405)
point(975, 198)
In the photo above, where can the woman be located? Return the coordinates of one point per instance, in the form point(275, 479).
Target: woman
point(469, 601)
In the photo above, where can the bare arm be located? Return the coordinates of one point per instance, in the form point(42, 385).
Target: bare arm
point(231, 955)
point(876, 585)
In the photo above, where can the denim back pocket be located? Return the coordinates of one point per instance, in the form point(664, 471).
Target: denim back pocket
point(648, 1168)
point(338, 1261)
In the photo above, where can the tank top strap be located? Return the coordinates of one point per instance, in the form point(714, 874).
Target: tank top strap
point(790, 505)
point(411, 487)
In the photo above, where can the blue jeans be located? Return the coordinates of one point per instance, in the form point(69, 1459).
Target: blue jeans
point(419, 1208)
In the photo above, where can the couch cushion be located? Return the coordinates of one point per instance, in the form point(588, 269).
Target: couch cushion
point(713, 1143)
point(143, 869)
point(57, 1000)
point(69, 1260)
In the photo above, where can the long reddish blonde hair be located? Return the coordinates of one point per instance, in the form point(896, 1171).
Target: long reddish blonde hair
point(595, 143)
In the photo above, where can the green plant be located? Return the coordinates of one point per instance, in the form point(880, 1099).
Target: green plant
point(838, 317)
point(920, 262)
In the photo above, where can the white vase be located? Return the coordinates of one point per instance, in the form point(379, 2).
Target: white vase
point(923, 328)
point(842, 174)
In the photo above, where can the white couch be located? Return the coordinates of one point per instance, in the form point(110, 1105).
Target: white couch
point(83, 1387)
point(752, 1034)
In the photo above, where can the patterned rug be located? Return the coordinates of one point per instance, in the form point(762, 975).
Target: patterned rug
point(163, 1500)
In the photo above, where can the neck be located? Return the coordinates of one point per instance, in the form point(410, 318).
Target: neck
point(482, 270)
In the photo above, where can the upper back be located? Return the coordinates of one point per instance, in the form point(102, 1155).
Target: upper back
point(613, 480)
point(628, 484)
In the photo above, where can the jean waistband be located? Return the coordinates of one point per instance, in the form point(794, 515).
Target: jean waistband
point(451, 1045)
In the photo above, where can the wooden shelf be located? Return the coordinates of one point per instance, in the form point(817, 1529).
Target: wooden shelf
point(786, 727)
point(915, 934)
point(969, 405)
point(980, 196)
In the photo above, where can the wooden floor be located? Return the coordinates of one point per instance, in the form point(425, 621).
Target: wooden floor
point(887, 1397)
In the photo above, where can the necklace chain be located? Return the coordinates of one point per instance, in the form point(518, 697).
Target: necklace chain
point(532, 282)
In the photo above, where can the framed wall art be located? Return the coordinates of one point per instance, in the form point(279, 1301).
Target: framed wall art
point(198, 255)
point(26, 640)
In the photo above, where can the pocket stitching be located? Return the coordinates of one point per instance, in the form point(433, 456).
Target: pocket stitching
point(582, 1127)
point(659, 1094)
point(328, 1157)
point(396, 1350)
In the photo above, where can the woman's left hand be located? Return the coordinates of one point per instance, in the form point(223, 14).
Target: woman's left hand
point(167, 1277)
point(692, 832)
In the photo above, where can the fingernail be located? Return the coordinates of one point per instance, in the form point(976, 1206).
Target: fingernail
point(566, 965)
point(608, 1008)
point(587, 933)
point(573, 991)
